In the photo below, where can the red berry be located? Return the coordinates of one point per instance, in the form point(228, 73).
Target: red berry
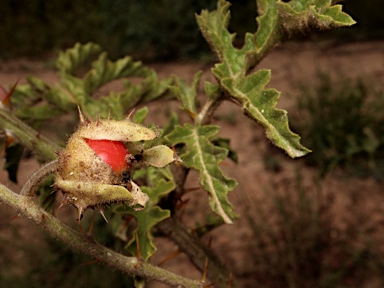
point(112, 152)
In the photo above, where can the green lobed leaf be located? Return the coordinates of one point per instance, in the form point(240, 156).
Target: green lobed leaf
point(104, 71)
point(299, 14)
point(81, 80)
point(173, 121)
point(187, 94)
point(41, 112)
point(71, 59)
point(150, 89)
point(140, 115)
point(226, 143)
point(146, 220)
point(211, 90)
point(259, 104)
point(339, 18)
point(267, 28)
point(24, 95)
point(162, 183)
point(213, 26)
point(248, 90)
point(39, 101)
point(202, 155)
point(273, 15)
point(113, 102)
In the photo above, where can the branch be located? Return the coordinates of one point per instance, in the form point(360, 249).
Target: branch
point(209, 108)
point(42, 146)
point(30, 186)
point(53, 226)
point(197, 252)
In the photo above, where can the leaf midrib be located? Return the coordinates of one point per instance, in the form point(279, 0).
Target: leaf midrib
point(208, 177)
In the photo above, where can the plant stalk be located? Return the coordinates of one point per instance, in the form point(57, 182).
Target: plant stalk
point(53, 226)
point(32, 183)
point(42, 146)
point(197, 252)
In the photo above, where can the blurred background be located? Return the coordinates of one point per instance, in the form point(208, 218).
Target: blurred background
point(148, 29)
point(311, 222)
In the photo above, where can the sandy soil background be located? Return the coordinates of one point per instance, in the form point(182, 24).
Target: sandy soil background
point(290, 63)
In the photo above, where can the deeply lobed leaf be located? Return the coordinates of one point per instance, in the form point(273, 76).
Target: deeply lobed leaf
point(259, 104)
point(202, 155)
point(248, 90)
point(71, 59)
point(162, 183)
point(80, 80)
point(187, 94)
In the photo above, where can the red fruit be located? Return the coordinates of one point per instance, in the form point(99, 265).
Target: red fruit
point(114, 153)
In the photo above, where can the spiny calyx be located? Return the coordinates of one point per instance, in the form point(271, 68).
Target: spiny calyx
point(95, 167)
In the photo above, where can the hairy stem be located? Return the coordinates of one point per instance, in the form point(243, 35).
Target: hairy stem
point(209, 108)
point(30, 186)
point(198, 253)
point(53, 226)
point(30, 138)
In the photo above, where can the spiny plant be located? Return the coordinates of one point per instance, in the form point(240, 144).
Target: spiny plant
point(196, 143)
point(342, 123)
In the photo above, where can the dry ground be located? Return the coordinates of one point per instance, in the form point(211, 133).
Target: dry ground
point(289, 63)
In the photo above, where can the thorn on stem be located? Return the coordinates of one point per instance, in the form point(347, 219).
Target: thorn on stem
point(205, 271)
point(130, 114)
point(81, 117)
point(102, 214)
point(169, 257)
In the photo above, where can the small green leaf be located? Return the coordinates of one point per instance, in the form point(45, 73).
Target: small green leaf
point(37, 84)
point(146, 220)
point(267, 26)
point(41, 112)
point(299, 15)
point(160, 182)
point(161, 185)
point(203, 156)
point(213, 26)
point(339, 18)
point(212, 90)
point(140, 115)
point(173, 121)
point(226, 143)
point(187, 94)
point(150, 89)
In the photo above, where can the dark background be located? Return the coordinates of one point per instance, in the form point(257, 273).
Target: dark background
point(149, 29)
